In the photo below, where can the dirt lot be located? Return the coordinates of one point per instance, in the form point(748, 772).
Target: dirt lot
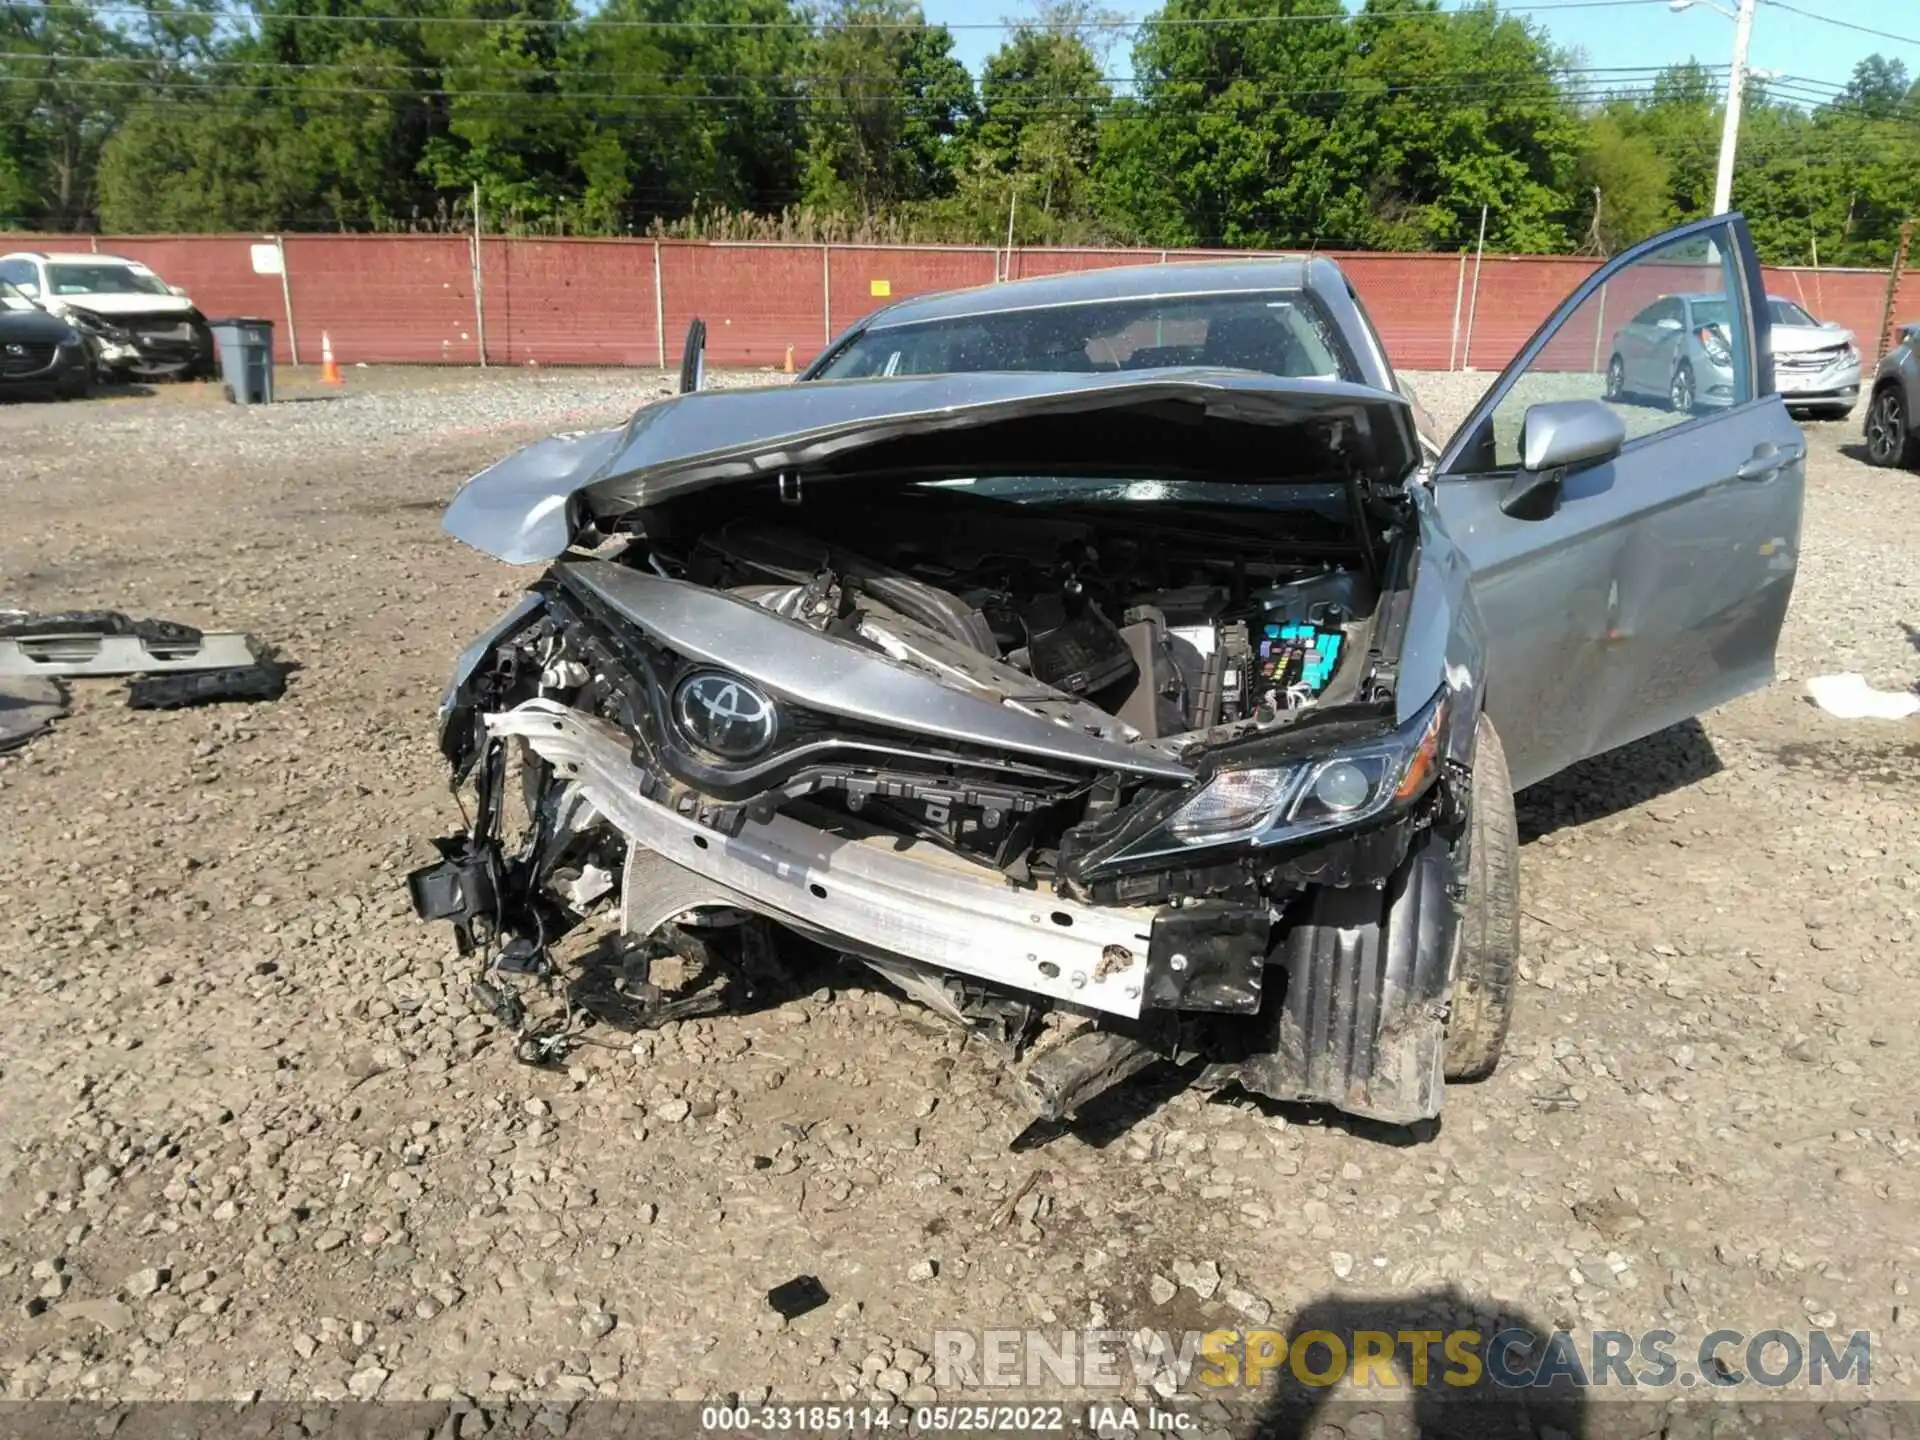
point(254, 1142)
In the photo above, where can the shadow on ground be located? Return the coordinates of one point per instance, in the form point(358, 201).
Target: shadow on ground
point(1618, 780)
point(1462, 1397)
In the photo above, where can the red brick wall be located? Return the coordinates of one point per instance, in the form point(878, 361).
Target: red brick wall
point(409, 298)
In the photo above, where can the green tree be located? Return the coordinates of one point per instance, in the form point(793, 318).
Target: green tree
point(1032, 149)
point(64, 89)
point(508, 131)
point(886, 99)
point(1626, 184)
point(1226, 140)
point(1442, 114)
point(725, 132)
point(1679, 121)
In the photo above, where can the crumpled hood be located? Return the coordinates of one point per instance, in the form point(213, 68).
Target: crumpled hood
point(1197, 422)
point(125, 304)
point(1796, 339)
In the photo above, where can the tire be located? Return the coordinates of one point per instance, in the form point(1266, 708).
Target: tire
point(1891, 439)
point(1616, 379)
point(1487, 954)
point(1682, 398)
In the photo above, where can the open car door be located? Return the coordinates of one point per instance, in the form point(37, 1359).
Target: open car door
point(693, 358)
point(1632, 538)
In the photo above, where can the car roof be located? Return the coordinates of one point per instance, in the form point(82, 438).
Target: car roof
point(68, 257)
point(1116, 282)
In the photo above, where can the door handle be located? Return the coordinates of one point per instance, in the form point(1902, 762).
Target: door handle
point(1768, 460)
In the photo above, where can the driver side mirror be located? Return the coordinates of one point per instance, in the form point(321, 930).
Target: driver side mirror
point(179, 290)
point(1555, 437)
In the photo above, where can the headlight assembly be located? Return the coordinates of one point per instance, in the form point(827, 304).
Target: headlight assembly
point(1278, 805)
point(91, 324)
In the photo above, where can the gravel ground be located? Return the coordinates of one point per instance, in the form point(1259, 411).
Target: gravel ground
point(253, 1141)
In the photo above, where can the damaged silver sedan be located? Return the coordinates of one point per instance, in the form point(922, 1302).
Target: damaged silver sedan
point(1166, 715)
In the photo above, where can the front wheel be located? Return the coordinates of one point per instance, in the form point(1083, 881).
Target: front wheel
point(1890, 437)
point(1487, 954)
point(1616, 378)
point(1680, 392)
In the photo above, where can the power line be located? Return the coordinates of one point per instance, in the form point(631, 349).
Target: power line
point(1843, 24)
point(1480, 85)
point(552, 72)
point(697, 26)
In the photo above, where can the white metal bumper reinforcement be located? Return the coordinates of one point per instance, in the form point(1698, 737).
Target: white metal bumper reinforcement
point(874, 894)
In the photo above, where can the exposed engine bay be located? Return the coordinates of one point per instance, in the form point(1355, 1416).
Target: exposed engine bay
point(1166, 641)
point(976, 746)
point(1114, 631)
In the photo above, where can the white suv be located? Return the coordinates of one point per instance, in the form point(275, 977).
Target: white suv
point(136, 323)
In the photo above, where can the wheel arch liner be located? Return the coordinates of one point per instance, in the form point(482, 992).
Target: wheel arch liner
point(1363, 1025)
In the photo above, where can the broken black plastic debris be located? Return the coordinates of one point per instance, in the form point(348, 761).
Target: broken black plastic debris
point(503, 1005)
point(265, 681)
point(521, 956)
point(101, 622)
point(27, 707)
point(798, 1296)
point(544, 1049)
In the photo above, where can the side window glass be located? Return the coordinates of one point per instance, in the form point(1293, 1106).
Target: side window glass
point(1663, 341)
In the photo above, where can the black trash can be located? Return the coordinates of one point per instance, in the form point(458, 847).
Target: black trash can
point(246, 358)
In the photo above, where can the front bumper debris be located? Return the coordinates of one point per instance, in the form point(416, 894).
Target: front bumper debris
point(1339, 996)
point(872, 895)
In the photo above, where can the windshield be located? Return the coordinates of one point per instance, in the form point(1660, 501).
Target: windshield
point(104, 280)
point(1785, 312)
point(13, 299)
point(1274, 332)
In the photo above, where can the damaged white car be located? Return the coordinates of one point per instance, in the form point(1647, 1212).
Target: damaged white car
point(1158, 715)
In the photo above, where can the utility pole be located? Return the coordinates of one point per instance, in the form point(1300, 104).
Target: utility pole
point(1736, 91)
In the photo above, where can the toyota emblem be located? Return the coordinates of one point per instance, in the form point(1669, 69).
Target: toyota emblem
point(725, 715)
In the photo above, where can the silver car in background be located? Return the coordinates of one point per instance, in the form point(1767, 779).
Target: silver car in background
point(1816, 364)
point(1675, 349)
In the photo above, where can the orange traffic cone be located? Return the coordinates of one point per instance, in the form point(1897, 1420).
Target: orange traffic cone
point(329, 372)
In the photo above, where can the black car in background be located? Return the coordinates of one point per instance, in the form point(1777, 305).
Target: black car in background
point(137, 325)
point(40, 354)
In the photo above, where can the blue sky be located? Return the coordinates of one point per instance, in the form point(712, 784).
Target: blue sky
point(1649, 34)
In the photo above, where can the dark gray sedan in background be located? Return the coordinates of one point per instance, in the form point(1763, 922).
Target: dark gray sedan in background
point(1117, 691)
point(1893, 434)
